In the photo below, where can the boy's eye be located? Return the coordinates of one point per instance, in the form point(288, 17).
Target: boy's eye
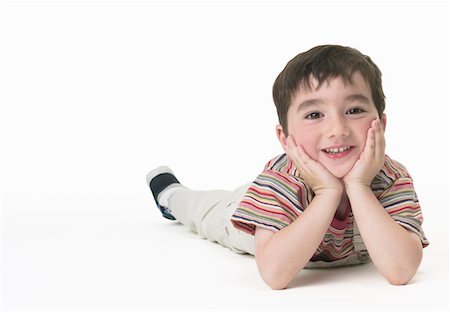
point(314, 115)
point(355, 110)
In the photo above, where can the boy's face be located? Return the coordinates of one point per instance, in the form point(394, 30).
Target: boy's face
point(331, 122)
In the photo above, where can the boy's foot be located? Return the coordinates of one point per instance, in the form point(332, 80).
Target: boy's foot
point(161, 180)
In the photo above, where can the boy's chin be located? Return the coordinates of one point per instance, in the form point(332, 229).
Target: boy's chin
point(339, 172)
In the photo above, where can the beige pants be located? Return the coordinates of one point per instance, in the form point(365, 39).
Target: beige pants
point(208, 214)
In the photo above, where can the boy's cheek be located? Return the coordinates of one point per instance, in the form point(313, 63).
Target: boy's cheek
point(310, 150)
point(364, 130)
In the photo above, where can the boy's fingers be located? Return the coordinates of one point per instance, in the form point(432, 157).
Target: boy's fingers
point(290, 147)
point(381, 134)
point(303, 156)
point(292, 150)
point(289, 142)
point(297, 155)
point(370, 143)
point(380, 141)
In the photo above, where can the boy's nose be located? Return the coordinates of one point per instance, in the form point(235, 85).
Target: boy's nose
point(338, 128)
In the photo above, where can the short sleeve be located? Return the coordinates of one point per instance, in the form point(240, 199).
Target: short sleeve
point(273, 201)
point(401, 202)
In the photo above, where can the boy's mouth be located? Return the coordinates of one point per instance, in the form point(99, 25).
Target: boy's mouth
point(338, 151)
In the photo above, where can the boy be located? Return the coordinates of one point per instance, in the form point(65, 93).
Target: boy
point(333, 199)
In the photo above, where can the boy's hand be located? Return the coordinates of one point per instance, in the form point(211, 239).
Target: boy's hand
point(371, 159)
point(315, 175)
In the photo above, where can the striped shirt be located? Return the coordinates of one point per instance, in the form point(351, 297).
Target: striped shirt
point(279, 195)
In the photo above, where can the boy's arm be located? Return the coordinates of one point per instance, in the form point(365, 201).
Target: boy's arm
point(282, 255)
point(395, 252)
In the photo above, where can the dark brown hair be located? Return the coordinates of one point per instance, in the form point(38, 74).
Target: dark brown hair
point(322, 63)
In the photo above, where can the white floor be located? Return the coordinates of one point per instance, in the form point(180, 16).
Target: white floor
point(121, 255)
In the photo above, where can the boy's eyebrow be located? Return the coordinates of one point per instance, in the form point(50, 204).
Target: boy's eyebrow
point(305, 104)
point(358, 97)
point(349, 98)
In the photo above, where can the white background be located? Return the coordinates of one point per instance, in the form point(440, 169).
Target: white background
point(95, 94)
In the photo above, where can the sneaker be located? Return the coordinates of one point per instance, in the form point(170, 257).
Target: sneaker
point(159, 180)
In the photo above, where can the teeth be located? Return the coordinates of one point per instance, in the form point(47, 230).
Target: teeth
point(335, 150)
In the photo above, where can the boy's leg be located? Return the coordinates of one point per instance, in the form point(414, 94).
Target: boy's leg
point(206, 213)
point(198, 209)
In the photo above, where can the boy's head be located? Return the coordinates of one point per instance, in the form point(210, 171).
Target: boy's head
point(326, 99)
point(322, 63)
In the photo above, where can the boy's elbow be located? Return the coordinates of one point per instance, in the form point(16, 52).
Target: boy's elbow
point(277, 287)
point(402, 274)
point(275, 272)
point(397, 281)
point(275, 283)
point(269, 273)
point(275, 278)
point(400, 277)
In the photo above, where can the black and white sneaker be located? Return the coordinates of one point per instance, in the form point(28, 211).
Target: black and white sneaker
point(159, 180)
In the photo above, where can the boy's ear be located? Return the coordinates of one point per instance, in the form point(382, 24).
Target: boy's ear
point(383, 121)
point(281, 137)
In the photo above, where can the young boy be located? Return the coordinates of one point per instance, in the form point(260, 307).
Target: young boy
point(333, 199)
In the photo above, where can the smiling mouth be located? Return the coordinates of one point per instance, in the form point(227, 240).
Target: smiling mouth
point(336, 150)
